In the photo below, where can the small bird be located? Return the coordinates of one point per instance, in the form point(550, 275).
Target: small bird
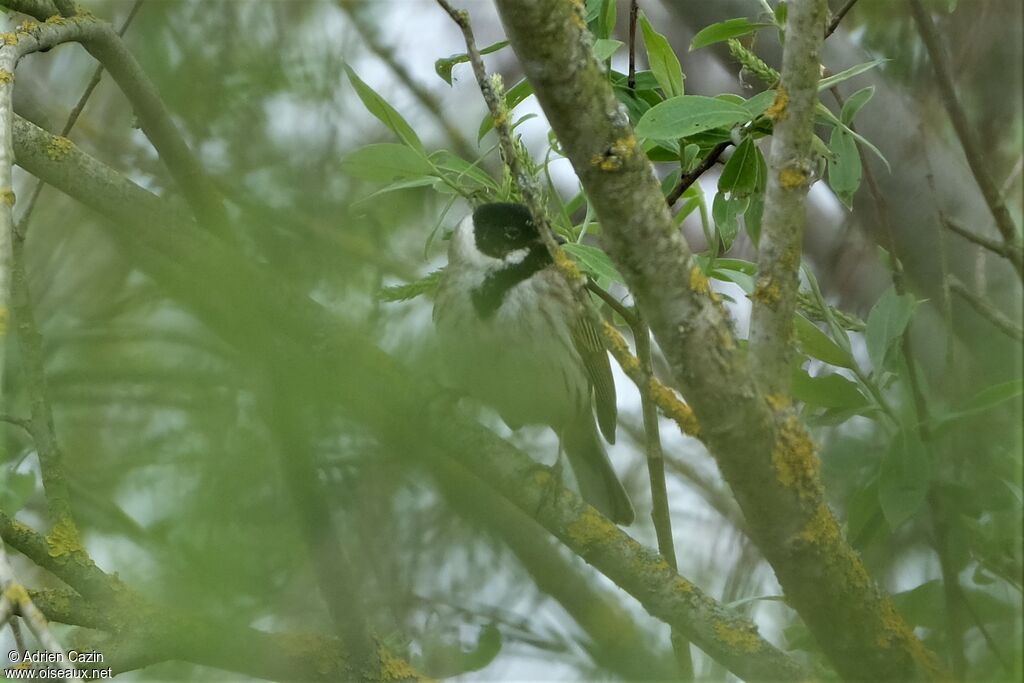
point(514, 338)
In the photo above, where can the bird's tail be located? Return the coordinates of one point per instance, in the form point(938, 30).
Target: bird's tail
point(599, 485)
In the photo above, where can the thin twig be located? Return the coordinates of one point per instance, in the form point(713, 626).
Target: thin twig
point(838, 17)
point(984, 307)
point(976, 159)
point(633, 11)
point(690, 178)
point(660, 513)
point(1011, 252)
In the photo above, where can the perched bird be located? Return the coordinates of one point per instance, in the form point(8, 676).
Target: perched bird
point(514, 338)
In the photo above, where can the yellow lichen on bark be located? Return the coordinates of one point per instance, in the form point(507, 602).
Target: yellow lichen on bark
point(63, 539)
point(767, 292)
point(619, 348)
point(778, 107)
point(791, 178)
point(794, 459)
point(674, 408)
point(59, 148)
point(6, 77)
point(698, 281)
point(590, 528)
point(743, 638)
point(7, 196)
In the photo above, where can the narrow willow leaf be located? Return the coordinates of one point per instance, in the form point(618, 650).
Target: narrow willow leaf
point(844, 168)
point(443, 67)
point(384, 112)
point(855, 102)
point(513, 97)
point(886, 322)
point(688, 115)
point(904, 478)
point(826, 83)
point(594, 261)
point(387, 162)
point(827, 391)
point(724, 30)
point(816, 344)
point(662, 59)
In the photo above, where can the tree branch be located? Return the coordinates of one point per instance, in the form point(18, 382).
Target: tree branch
point(790, 174)
point(762, 449)
point(972, 149)
point(985, 308)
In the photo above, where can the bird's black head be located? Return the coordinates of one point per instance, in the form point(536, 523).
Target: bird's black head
point(502, 228)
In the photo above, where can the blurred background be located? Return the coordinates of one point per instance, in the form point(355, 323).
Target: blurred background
point(175, 468)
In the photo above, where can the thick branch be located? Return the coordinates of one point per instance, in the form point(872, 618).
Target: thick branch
point(785, 213)
point(762, 449)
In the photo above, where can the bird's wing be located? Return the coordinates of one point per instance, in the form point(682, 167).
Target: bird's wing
point(599, 370)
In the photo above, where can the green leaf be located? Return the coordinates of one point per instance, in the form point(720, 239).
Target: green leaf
point(739, 278)
point(886, 322)
point(827, 391)
point(386, 162)
point(816, 344)
point(726, 212)
point(990, 397)
point(605, 48)
point(15, 490)
point(855, 102)
point(462, 169)
point(688, 115)
point(826, 83)
point(513, 97)
point(384, 112)
point(822, 111)
point(844, 168)
point(594, 261)
point(443, 67)
point(757, 104)
point(662, 59)
point(752, 218)
point(724, 30)
point(606, 19)
point(903, 480)
point(394, 187)
point(745, 172)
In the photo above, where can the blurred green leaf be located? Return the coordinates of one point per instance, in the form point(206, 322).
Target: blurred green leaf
point(726, 212)
point(816, 344)
point(15, 490)
point(886, 322)
point(827, 391)
point(386, 162)
point(687, 115)
point(724, 30)
point(384, 112)
point(662, 59)
point(903, 479)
